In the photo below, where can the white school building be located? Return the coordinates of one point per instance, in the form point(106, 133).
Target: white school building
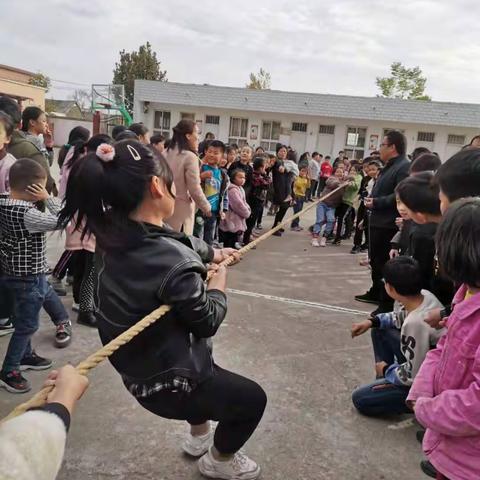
point(305, 121)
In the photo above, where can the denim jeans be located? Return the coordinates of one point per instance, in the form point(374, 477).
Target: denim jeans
point(209, 228)
point(297, 207)
point(30, 294)
point(382, 397)
point(386, 345)
point(325, 215)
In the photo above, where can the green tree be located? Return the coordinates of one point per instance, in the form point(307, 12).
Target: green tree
point(260, 81)
point(403, 82)
point(137, 65)
point(40, 80)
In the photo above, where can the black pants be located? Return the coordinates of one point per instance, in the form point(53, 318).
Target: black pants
point(282, 210)
point(255, 218)
point(311, 192)
point(362, 214)
point(379, 248)
point(82, 287)
point(229, 239)
point(341, 213)
point(236, 402)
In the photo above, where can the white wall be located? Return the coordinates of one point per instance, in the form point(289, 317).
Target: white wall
point(62, 126)
point(312, 136)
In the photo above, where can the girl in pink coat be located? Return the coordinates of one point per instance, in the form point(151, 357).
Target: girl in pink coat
point(234, 223)
point(446, 392)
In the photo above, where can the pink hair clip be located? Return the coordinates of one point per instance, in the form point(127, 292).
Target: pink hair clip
point(105, 152)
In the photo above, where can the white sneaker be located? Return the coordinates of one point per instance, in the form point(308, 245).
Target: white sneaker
point(198, 446)
point(75, 307)
point(240, 467)
point(315, 242)
point(323, 242)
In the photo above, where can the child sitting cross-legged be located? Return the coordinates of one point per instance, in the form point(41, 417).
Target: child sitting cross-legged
point(23, 258)
point(401, 340)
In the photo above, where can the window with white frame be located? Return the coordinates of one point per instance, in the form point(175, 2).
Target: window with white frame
point(355, 142)
point(161, 123)
point(426, 137)
point(327, 129)
point(270, 135)
point(212, 119)
point(299, 127)
point(456, 139)
point(238, 131)
point(187, 116)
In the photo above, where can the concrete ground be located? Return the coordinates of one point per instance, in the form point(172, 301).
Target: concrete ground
point(284, 329)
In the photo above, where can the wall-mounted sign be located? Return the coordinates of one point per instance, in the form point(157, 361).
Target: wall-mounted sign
point(254, 132)
point(373, 145)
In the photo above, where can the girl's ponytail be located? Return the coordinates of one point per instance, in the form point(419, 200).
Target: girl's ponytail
point(107, 186)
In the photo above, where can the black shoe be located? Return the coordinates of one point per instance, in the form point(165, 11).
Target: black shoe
point(367, 298)
point(87, 318)
point(6, 327)
point(428, 469)
point(63, 335)
point(278, 233)
point(356, 249)
point(364, 248)
point(420, 434)
point(35, 362)
point(13, 382)
point(337, 242)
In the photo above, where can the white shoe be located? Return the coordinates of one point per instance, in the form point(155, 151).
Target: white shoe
point(315, 242)
point(75, 307)
point(240, 467)
point(198, 446)
point(323, 242)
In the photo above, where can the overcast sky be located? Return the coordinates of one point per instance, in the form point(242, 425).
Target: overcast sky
point(335, 46)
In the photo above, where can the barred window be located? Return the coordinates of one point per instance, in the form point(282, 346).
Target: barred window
point(456, 139)
point(299, 127)
point(212, 119)
point(327, 129)
point(426, 137)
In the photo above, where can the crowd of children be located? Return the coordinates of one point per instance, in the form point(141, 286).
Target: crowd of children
point(426, 348)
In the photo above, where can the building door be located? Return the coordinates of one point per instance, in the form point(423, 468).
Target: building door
point(212, 124)
point(298, 137)
point(298, 141)
point(325, 144)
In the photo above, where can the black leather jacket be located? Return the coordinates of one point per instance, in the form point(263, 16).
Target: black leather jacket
point(161, 268)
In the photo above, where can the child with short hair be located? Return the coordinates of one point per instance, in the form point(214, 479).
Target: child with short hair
point(401, 340)
point(244, 163)
point(214, 184)
point(24, 265)
point(445, 394)
point(326, 208)
point(233, 225)
point(345, 208)
point(261, 181)
point(300, 188)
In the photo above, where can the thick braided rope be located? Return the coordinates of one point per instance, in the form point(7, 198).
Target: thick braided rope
point(40, 398)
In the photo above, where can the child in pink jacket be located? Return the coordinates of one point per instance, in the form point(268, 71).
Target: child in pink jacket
point(446, 392)
point(234, 223)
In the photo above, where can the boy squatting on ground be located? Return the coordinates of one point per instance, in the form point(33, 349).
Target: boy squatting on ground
point(24, 266)
point(401, 340)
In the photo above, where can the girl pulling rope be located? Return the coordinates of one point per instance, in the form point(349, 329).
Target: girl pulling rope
point(122, 194)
